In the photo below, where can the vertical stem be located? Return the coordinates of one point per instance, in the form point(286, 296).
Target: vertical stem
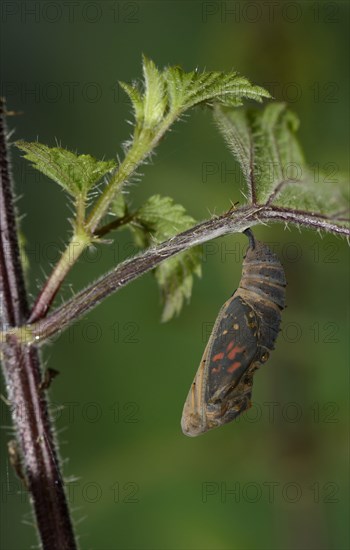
point(21, 367)
point(14, 305)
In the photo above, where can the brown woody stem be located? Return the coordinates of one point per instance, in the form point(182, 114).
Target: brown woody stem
point(21, 368)
point(233, 221)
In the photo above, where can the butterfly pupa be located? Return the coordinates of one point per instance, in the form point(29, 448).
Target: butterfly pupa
point(244, 333)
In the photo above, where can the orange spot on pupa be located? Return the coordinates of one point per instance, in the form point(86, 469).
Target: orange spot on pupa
point(233, 352)
point(234, 366)
point(218, 356)
point(216, 369)
point(230, 345)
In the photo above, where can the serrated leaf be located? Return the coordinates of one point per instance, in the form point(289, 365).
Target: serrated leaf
point(173, 91)
point(238, 135)
point(163, 218)
point(175, 278)
point(265, 145)
point(154, 97)
point(136, 100)
point(157, 220)
point(317, 194)
point(278, 155)
point(77, 174)
point(188, 89)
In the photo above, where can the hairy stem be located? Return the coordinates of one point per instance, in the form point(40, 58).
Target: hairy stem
point(21, 368)
point(233, 221)
point(114, 224)
point(14, 306)
point(142, 146)
point(47, 294)
point(305, 219)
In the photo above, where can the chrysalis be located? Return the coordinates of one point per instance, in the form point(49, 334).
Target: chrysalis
point(244, 333)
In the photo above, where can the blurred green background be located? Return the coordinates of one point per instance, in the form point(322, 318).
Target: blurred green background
point(277, 478)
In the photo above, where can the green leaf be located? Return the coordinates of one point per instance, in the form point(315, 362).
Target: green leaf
point(265, 146)
point(172, 91)
point(188, 89)
point(278, 155)
point(175, 278)
point(77, 174)
point(136, 100)
point(118, 206)
point(163, 218)
point(154, 97)
point(317, 193)
point(157, 220)
point(236, 129)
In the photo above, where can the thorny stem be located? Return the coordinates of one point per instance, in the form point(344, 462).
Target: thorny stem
point(299, 217)
point(21, 367)
point(233, 221)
